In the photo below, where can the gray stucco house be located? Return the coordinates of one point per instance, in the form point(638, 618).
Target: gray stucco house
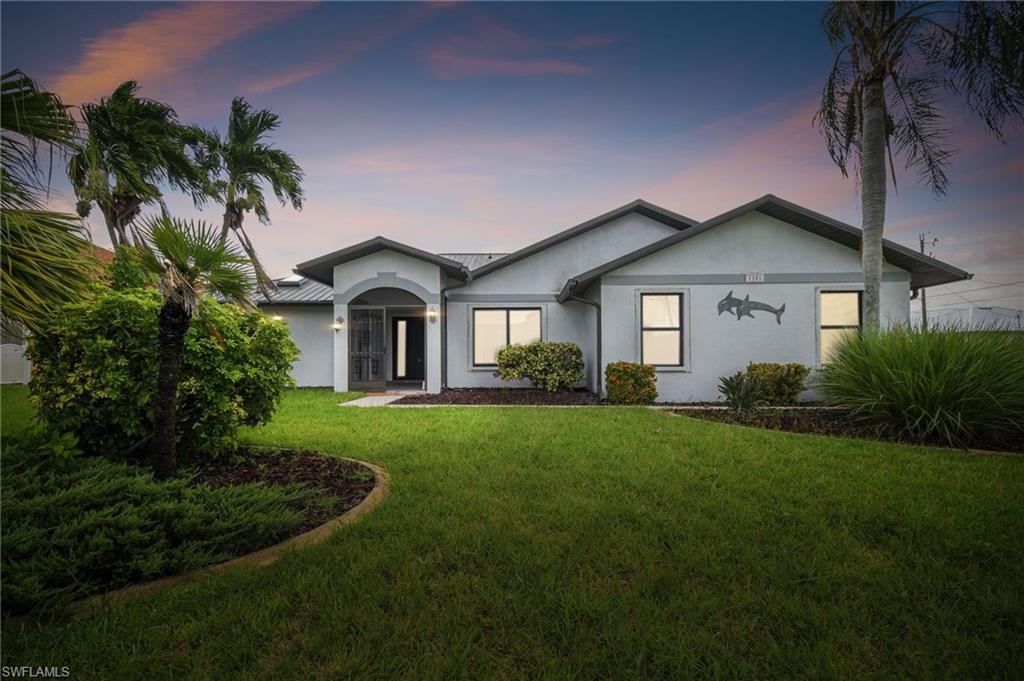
point(767, 281)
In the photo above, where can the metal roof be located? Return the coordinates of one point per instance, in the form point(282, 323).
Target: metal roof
point(297, 292)
point(473, 260)
point(322, 269)
point(924, 271)
point(648, 210)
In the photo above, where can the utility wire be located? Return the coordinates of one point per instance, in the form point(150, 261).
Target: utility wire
point(983, 288)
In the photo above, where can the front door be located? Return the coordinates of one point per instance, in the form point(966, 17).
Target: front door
point(407, 348)
point(366, 356)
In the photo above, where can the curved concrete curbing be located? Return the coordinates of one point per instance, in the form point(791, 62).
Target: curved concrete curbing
point(271, 554)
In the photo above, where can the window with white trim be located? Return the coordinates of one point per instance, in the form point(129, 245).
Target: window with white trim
point(840, 315)
point(494, 328)
point(661, 329)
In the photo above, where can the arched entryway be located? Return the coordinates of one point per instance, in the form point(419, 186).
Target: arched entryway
point(387, 340)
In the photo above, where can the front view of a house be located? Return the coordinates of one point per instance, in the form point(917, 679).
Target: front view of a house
point(768, 281)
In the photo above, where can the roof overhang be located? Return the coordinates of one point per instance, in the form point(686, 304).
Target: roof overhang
point(924, 271)
point(322, 269)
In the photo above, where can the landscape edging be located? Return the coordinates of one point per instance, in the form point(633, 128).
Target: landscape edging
point(261, 557)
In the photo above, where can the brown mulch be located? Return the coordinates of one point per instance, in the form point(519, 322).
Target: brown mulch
point(342, 484)
point(832, 422)
point(504, 396)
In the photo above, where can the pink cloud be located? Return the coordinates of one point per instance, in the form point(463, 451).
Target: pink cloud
point(448, 63)
point(160, 48)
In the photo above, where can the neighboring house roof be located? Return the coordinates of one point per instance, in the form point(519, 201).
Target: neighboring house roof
point(473, 260)
point(322, 269)
point(924, 271)
point(297, 292)
point(104, 255)
point(648, 210)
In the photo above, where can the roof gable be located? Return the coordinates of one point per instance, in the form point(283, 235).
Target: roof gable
point(322, 269)
point(924, 270)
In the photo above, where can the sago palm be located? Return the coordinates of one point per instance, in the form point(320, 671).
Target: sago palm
point(894, 61)
point(45, 261)
point(189, 259)
point(132, 146)
point(244, 162)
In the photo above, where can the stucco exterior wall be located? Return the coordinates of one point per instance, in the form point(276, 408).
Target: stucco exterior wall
point(310, 326)
point(797, 265)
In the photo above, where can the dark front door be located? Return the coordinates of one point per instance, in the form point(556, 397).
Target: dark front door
point(407, 343)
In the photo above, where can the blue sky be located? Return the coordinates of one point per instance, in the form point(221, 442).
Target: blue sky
point(483, 127)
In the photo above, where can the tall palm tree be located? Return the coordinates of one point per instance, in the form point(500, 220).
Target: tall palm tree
point(894, 61)
point(189, 259)
point(244, 161)
point(132, 145)
point(44, 261)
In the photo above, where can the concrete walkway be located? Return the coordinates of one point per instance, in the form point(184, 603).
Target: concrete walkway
point(378, 400)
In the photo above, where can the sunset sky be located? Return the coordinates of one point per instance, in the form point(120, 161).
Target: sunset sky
point(484, 127)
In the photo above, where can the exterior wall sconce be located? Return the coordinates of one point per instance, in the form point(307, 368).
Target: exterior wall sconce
point(339, 324)
point(432, 315)
point(277, 318)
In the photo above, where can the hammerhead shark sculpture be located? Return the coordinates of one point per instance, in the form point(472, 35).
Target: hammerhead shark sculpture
point(746, 307)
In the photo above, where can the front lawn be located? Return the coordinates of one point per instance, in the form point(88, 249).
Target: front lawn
point(598, 543)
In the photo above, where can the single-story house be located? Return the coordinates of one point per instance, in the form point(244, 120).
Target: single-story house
point(767, 281)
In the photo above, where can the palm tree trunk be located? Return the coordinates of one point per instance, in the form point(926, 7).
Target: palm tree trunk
point(872, 193)
point(172, 324)
point(108, 220)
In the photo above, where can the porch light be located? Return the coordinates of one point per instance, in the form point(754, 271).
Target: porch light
point(276, 318)
point(432, 315)
point(338, 324)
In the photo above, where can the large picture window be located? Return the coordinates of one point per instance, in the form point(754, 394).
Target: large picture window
point(494, 328)
point(840, 315)
point(661, 329)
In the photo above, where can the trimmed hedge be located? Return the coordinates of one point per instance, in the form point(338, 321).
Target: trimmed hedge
point(630, 383)
point(95, 368)
point(549, 366)
point(780, 384)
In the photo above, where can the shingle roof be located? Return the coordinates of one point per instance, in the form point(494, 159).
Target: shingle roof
point(473, 260)
point(297, 292)
point(924, 271)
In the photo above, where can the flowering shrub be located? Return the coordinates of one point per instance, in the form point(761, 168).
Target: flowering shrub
point(550, 366)
point(630, 383)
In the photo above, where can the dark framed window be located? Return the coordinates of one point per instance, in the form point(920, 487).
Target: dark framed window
point(661, 329)
point(841, 313)
point(496, 327)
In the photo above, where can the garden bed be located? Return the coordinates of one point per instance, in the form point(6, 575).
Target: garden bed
point(505, 396)
point(815, 421)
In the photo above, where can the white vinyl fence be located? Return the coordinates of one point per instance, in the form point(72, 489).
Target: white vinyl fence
point(14, 366)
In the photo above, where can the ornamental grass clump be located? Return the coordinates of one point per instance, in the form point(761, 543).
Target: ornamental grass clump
point(951, 386)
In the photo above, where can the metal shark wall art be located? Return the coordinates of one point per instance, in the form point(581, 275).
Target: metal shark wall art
point(746, 307)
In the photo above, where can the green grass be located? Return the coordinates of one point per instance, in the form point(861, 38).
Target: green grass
point(599, 543)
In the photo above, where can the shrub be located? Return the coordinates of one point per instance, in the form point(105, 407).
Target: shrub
point(95, 367)
point(125, 270)
point(79, 526)
point(550, 366)
point(948, 386)
point(743, 391)
point(780, 383)
point(630, 383)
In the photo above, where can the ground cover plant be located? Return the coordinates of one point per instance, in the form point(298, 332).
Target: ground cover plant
point(599, 543)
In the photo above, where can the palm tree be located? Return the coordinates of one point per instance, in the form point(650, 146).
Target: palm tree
point(189, 259)
point(132, 145)
point(894, 61)
point(244, 161)
point(44, 261)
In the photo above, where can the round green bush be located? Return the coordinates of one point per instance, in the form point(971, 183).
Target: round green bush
point(549, 366)
point(955, 387)
point(630, 383)
point(95, 366)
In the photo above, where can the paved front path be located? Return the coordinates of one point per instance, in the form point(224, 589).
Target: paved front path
point(373, 400)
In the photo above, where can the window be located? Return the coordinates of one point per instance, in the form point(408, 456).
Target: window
point(494, 328)
point(661, 329)
point(840, 313)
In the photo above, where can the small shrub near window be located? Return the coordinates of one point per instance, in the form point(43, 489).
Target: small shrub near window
point(947, 386)
point(780, 383)
point(549, 366)
point(630, 383)
point(743, 391)
point(95, 368)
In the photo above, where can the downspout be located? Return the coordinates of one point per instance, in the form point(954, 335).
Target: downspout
point(597, 316)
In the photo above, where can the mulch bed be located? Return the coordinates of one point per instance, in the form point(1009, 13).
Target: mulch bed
point(833, 422)
point(504, 396)
point(343, 484)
